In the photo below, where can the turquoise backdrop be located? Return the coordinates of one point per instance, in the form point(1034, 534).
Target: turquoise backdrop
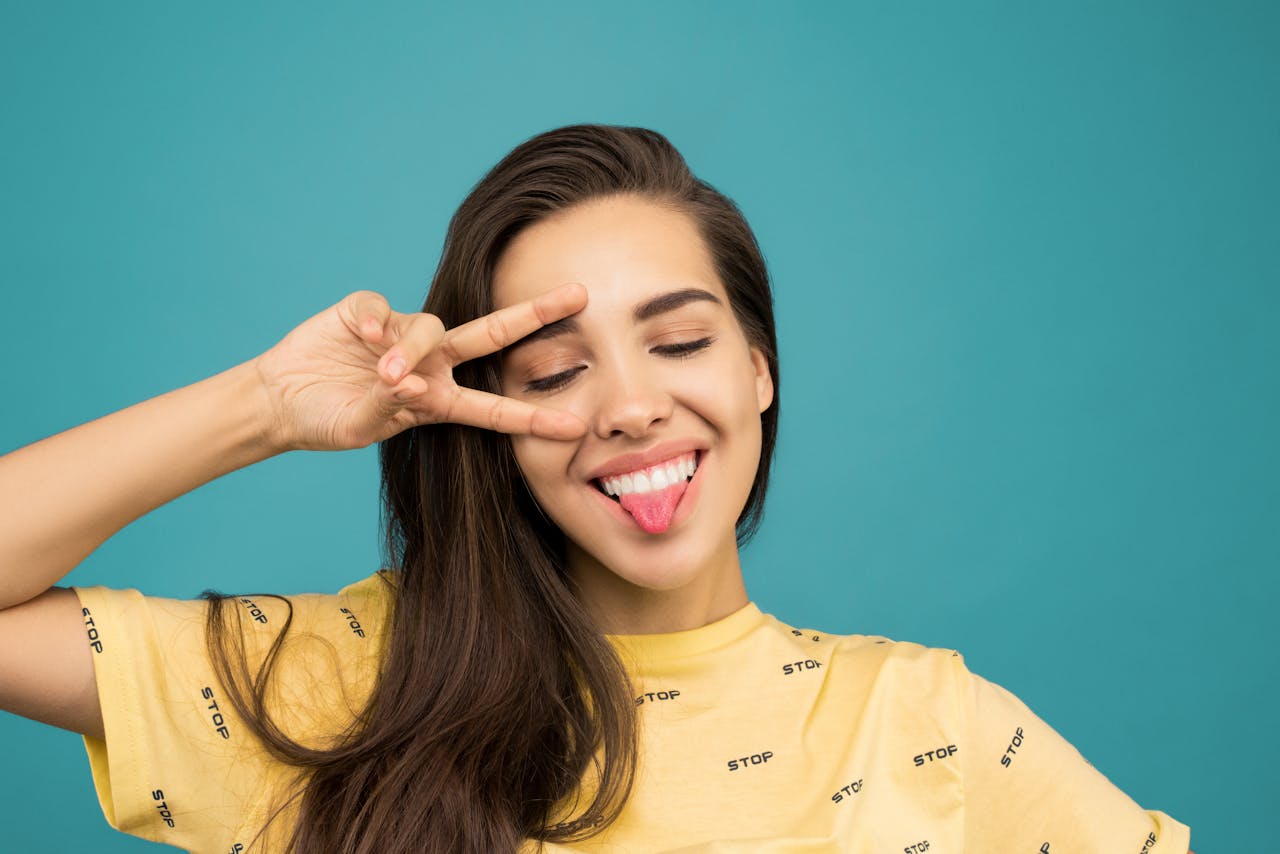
point(1025, 257)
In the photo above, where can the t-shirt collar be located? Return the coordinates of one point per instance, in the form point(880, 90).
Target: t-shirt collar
point(681, 644)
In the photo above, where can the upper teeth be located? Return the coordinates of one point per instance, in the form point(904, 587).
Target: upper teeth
point(659, 476)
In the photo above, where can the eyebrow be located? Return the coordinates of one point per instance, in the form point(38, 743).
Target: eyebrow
point(661, 304)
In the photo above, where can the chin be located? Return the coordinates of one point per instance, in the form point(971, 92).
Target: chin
point(670, 566)
point(666, 578)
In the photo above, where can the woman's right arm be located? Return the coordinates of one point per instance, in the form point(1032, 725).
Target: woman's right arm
point(67, 494)
point(331, 384)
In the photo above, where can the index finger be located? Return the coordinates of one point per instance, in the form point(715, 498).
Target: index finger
point(498, 329)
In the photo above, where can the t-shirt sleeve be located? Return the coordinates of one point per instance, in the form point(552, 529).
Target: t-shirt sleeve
point(1028, 789)
point(177, 764)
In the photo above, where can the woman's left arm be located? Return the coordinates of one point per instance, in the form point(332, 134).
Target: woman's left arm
point(1024, 781)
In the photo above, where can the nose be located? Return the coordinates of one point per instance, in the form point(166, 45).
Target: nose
point(631, 401)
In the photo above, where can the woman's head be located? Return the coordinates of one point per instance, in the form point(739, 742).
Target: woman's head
point(662, 373)
point(618, 209)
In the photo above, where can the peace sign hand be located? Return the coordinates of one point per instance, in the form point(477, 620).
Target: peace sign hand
point(358, 373)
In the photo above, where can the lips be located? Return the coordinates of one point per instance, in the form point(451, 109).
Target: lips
point(683, 509)
point(655, 478)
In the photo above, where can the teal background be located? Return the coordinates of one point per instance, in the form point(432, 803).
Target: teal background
point(1025, 258)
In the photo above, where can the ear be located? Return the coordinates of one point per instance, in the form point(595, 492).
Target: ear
point(764, 380)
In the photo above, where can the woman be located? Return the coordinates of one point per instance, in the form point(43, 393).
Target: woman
point(575, 435)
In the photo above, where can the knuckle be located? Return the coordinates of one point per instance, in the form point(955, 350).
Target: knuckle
point(387, 406)
point(434, 326)
point(497, 329)
point(418, 335)
point(541, 312)
point(495, 414)
point(365, 303)
point(451, 404)
point(365, 298)
point(448, 350)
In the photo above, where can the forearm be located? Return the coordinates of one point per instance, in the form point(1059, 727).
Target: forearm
point(64, 496)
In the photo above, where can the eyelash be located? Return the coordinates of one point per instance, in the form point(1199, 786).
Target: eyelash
point(683, 350)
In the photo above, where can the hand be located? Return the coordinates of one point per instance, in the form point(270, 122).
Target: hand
point(333, 382)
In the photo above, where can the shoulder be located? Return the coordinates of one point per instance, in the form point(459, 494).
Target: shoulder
point(869, 647)
point(891, 663)
point(353, 615)
point(380, 584)
point(358, 609)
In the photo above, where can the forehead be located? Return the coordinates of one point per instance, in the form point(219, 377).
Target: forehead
point(624, 249)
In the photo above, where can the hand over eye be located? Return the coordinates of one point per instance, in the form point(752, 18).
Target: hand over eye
point(359, 372)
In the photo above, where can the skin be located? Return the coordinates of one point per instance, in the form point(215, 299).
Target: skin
point(632, 396)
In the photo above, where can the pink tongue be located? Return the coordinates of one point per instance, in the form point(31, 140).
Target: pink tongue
point(653, 510)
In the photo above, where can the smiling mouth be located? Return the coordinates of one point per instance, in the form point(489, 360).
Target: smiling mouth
point(680, 469)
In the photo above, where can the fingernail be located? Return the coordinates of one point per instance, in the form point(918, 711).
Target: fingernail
point(395, 368)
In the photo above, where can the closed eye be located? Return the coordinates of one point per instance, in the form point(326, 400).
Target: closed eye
point(683, 350)
point(552, 382)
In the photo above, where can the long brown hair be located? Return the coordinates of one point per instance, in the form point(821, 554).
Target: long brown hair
point(498, 699)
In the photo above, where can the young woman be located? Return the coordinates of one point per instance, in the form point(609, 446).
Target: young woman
point(576, 433)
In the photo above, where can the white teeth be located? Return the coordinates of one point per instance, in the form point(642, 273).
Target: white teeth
point(659, 477)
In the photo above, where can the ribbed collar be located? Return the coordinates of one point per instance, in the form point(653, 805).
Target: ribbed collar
point(668, 645)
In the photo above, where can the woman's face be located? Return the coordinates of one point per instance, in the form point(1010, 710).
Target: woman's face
point(659, 370)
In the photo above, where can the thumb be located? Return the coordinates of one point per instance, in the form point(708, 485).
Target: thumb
point(387, 401)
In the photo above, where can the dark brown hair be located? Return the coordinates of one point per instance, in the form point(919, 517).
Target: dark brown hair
point(498, 699)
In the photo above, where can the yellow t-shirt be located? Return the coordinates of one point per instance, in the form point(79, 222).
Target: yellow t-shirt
point(755, 737)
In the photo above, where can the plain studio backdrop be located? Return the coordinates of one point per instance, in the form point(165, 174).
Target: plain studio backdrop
point(1024, 256)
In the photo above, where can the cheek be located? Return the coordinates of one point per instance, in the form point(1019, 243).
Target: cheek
point(525, 450)
point(728, 388)
point(540, 460)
